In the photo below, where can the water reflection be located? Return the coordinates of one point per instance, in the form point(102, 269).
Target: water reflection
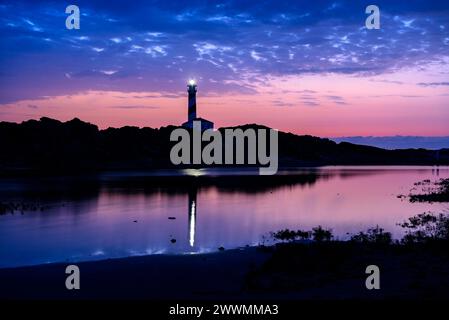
point(114, 216)
point(192, 216)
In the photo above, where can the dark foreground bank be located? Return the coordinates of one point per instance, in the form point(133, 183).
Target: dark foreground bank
point(327, 270)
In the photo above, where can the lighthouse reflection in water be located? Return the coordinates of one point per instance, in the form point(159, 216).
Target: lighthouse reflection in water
point(192, 216)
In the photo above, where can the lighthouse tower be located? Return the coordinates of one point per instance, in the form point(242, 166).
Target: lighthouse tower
point(191, 89)
point(191, 109)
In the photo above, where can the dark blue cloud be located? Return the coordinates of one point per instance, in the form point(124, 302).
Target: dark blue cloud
point(229, 46)
point(433, 84)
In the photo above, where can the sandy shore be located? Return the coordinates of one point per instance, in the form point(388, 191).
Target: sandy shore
point(333, 270)
point(200, 276)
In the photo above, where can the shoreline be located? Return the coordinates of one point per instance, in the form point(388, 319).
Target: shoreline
point(216, 171)
point(103, 259)
point(331, 270)
point(150, 277)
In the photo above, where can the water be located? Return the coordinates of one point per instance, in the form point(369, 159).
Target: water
point(110, 217)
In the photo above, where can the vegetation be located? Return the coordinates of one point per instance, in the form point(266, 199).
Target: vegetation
point(421, 228)
point(426, 227)
point(291, 235)
point(420, 261)
point(375, 235)
point(12, 207)
point(438, 194)
point(317, 234)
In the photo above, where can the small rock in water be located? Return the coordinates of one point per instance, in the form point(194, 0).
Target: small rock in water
point(221, 248)
point(171, 218)
point(135, 221)
point(173, 240)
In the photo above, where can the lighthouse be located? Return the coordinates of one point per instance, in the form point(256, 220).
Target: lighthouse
point(191, 109)
point(191, 89)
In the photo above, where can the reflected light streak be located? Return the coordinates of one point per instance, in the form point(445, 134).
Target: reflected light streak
point(192, 218)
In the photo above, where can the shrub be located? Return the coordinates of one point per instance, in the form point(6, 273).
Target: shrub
point(426, 227)
point(290, 235)
point(319, 234)
point(373, 235)
point(438, 194)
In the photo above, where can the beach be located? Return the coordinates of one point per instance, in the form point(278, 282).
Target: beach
point(199, 276)
point(326, 271)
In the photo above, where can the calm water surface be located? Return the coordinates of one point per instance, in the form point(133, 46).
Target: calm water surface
point(102, 220)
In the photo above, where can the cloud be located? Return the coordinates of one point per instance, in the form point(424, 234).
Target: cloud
point(82, 38)
point(307, 91)
point(308, 97)
point(156, 51)
point(336, 99)
point(134, 107)
point(411, 96)
point(211, 50)
point(166, 42)
point(310, 103)
point(280, 103)
point(433, 84)
point(387, 81)
point(94, 73)
point(171, 96)
point(109, 72)
point(256, 56)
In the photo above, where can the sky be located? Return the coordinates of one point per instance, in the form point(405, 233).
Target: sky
point(307, 67)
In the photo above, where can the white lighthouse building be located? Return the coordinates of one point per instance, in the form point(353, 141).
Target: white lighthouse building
point(191, 109)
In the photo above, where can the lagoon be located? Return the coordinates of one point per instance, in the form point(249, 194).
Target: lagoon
point(116, 215)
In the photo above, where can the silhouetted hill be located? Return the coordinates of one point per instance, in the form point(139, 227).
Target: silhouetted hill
point(398, 142)
point(53, 146)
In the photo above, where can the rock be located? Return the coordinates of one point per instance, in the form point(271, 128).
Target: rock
point(173, 240)
point(221, 248)
point(171, 218)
